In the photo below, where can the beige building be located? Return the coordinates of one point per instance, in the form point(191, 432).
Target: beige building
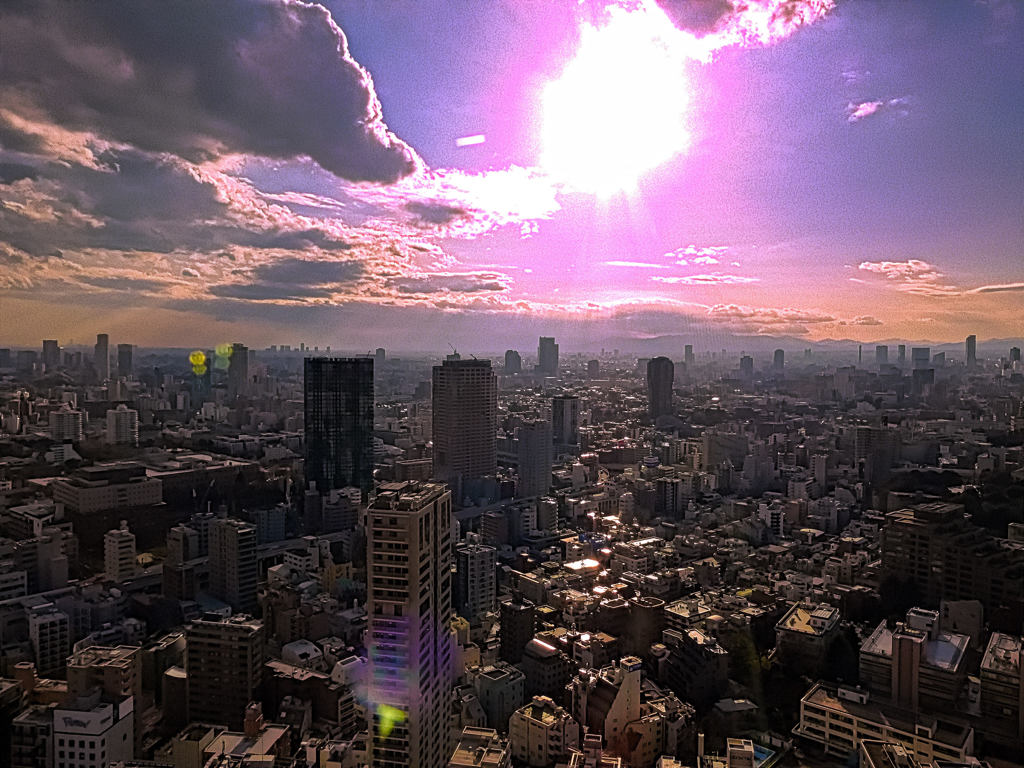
point(1002, 688)
point(481, 748)
point(838, 719)
point(542, 733)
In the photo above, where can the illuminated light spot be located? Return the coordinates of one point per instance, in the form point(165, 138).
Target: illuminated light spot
point(389, 718)
point(469, 141)
point(621, 107)
point(197, 357)
point(199, 370)
point(223, 350)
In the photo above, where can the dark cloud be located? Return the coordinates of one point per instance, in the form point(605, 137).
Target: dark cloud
point(435, 212)
point(11, 172)
point(697, 15)
point(303, 272)
point(123, 283)
point(269, 291)
point(201, 80)
point(468, 282)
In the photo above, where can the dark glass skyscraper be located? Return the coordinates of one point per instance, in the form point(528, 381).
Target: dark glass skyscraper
point(124, 360)
point(339, 423)
point(660, 373)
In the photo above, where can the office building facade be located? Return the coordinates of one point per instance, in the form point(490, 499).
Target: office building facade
point(465, 401)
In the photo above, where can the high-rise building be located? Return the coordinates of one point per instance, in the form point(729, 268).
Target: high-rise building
point(518, 619)
point(224, 662)
point(920, 358)
point(409, 604)
point(339, 423)
point(669, 501)
point(688, 358)
point(379, 355)
point(660, 373)
point(234, 574)
point(944, 556)
point(565, 420)
point(881, 355)
point(475, 583)
point(465, 400)
point(238, 371)
point(513, 361)
point(101, 357)
point(66, 424)
point(901, 354)
point(971, 351)
point(779, 360)
point(1014, 355)
point(51, 354)
point(119, 553)
point(535, 449)
point(547, 356)
point(122, 426)
point(593, 369)
point(746, 367)
point(125, 365)
point(49, 631)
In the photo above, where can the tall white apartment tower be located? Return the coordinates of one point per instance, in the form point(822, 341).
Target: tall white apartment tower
point(409, 601)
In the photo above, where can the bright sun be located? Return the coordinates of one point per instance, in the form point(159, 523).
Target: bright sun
point(620, 107)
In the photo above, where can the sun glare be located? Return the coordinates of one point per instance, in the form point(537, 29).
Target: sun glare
point(620, 107)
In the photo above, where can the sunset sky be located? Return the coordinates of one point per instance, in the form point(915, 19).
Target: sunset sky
point(405, 173)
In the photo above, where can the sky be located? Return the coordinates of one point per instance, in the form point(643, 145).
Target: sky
point(415, 173)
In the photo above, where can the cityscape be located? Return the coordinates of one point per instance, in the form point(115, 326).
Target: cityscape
point(459, 384)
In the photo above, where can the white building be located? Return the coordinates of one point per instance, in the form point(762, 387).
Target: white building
point(119, 553)
point(89, 733)
point(409, 604)
point(542, 733)
point(66, 424)
point(122, 426)
point(475, 581)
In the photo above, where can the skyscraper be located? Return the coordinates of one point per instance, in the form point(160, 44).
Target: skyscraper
point(920, 357)
point(779, 360)
point(238, 371)
point(881, 355)
point(465, 420)
point(971, 349)
point(901, 354)
point(547, 356)
point(688, 357)
point(660, 372)
point(101, 356)
point(535, 457)
point(224, 662)
point(593, 368)
point(234, 572)
point(409, 604)
point(746, 367)
point(124, 360)
point(513, 361)
point(339, 423)
point(565, 419)
point(51, 354)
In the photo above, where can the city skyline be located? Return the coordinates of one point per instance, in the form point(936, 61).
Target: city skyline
point(847, 170)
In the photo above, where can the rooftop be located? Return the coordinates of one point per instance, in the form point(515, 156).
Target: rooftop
point(479, 747)
point(945, 652)
point(1003, 654)
point(809, 620)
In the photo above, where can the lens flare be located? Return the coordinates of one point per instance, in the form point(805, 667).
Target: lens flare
point(621, 107)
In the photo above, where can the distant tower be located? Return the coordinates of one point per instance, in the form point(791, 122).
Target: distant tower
point(339, 423)
point(410, 649)
point(779, 360)
point(535, 457)
point(547, 356)
point(688, 357)
point(51, 354)
point(593, 369)
point(101, 356)
point(513, 361)
point(124, 360)
point(122, 426)
point(901, 354)
point(660, 372)
point(465, 421)
point(379, 355)
point(234, 571)
point(565, 420)
point(747, 367)
point(920, 358)
point(860, 354)
point(972, 351)
point(881, 355)
point(1014, 354)
point(238, 371)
